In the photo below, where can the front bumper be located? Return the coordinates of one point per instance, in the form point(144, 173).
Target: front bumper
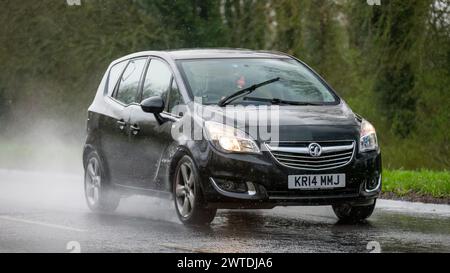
point(270, 180)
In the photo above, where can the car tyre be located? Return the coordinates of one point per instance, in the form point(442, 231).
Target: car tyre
point(100, 196)
point(352, 214)
point(187, 194)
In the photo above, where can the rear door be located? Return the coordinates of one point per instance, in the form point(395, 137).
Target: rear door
point(151, 139)
point(116, 138)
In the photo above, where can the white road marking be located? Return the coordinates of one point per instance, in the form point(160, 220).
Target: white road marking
point(8, 218)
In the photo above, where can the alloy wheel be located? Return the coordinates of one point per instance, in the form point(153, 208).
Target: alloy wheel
point(185, 191)
point(93, 181)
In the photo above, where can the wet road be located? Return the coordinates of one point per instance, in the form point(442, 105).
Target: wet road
point(43, 213)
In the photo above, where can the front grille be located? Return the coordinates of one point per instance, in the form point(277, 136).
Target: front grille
point(297, 155)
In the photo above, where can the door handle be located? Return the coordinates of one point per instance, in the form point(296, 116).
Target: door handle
point(135, 129)
point(121, 124)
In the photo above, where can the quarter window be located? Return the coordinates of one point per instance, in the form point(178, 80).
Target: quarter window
point(114, 76)
point(175, 100)
point(129, 83)
point(157, 80)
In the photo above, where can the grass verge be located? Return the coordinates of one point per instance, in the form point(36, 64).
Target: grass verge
point(421, 185)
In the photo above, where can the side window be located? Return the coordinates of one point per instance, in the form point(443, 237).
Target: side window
point(114, 75)
point(157, 80)
point(175, 100)
point(129, 83)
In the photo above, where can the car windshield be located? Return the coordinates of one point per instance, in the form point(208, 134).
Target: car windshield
point(211, 80)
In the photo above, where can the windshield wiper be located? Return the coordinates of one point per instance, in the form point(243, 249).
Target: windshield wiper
point(244, 92)
point(280, 101)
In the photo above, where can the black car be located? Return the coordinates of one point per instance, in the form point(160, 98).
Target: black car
point(217, 129)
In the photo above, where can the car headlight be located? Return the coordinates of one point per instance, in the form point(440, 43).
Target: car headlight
point(230, 139)
point(368, 140)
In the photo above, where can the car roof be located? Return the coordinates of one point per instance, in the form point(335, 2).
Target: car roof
point(219, 53)
point(223, 53)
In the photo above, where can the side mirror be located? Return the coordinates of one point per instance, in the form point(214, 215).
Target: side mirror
point(154, 105)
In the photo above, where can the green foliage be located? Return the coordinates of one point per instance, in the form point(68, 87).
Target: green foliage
point(289, 18)
point(246, 23)
point(391, 62)
point(424, 182)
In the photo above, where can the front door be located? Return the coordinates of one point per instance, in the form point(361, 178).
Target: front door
point(149, 138)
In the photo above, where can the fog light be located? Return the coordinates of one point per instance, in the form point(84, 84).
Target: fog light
point(227, 185)
point(373, 183)
point(231, 186)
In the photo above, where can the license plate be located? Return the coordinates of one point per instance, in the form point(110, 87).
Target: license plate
point(318, 181)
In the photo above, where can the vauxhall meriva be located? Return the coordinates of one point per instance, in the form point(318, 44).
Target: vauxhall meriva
point(216, 129)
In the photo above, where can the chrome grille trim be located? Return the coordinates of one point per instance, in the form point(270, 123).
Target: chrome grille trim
point(305, 150)
point(333, 156)
point(312, 158)
point(316, 161)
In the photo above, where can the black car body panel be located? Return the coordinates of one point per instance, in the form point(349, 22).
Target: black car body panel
point(140, 153)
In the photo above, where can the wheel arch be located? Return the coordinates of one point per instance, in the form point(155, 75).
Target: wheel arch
point(89, 148)
point(179, 153)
